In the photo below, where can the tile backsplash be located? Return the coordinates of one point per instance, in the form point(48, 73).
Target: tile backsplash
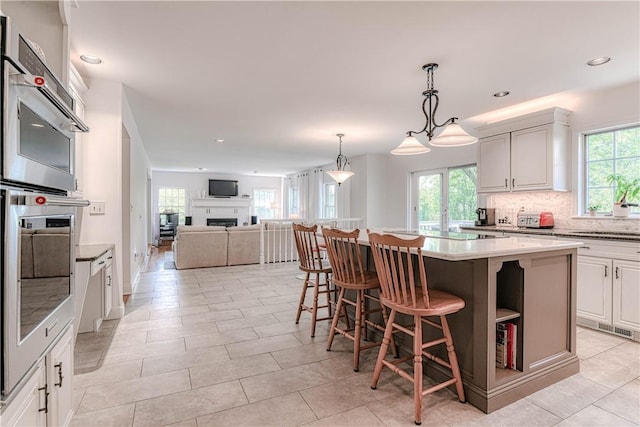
point(508, 205)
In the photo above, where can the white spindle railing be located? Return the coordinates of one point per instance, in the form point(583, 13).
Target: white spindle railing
point(277, 243)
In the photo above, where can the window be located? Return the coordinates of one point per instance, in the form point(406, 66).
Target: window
point(294, 202)
point(265, 203)
point(445, 199)
point(330, 210)
point(172, 200)
point(613, 152)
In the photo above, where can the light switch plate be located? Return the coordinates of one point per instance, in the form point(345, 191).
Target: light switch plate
point(97, 208)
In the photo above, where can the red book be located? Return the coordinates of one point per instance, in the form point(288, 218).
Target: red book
point(511, 345)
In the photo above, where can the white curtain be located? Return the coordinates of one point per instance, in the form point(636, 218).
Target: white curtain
point(304, 195)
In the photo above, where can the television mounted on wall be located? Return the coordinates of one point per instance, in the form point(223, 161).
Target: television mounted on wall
point(223, 188)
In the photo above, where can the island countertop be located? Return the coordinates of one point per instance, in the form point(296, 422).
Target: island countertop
point(91, 252)
point(458, 250)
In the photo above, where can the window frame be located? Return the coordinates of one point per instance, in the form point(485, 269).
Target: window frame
point(181, 211)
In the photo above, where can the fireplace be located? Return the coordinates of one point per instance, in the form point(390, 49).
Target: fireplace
point(225, 222)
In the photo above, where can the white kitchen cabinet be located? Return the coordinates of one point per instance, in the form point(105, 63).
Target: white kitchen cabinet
point(94, 278)
point(609, 287)
point(594, 288)
point(77, 87)
point(46, 398)
point(526, 153)
point(626, 294)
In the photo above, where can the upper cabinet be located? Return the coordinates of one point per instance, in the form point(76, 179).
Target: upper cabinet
point(526, 153)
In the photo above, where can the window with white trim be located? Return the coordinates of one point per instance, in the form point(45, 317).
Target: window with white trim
point(265, 203)
point(330, 196)
point(608, 153)
point(172, 200)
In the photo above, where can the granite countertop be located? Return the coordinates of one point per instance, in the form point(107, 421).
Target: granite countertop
point(91, 252)
point(458, 250)
point(628, 236)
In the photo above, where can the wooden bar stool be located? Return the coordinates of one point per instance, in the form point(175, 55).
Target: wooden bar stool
point(348, 274)
point(396, 269)
point(314, 267)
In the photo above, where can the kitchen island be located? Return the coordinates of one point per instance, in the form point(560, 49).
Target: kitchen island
point(525, 281)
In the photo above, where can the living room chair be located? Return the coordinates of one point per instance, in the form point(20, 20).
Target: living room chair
point(314, 268)
point(349, 274)
point(402, 292)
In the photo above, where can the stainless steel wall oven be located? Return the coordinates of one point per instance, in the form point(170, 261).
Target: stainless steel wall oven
point(37, 217)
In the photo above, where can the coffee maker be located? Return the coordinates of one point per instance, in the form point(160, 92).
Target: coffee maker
point(486, 216)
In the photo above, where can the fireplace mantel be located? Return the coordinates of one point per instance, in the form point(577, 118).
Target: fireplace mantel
point(219, 207)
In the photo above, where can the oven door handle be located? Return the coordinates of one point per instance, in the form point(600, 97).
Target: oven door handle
point(38, 82)
point(63, 201)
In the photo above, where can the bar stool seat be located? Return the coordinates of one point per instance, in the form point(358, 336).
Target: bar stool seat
point(402, 292)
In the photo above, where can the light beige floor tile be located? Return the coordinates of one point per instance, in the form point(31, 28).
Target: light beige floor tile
point(86, 361)
point(615, 367)
point(594, 416)
point(288, 410)
point(246, 322)
point(108, 374)
point(177, 312)
point(235, 305)
point(189, 359)
point(280, 328)
point(569, 396)
point(116, 416)
point(211, 316)
point(361, 416)
point(144, 350)
point(310, 353)
point(148, 325)
point(85, 344)
point(623, 402)
point(186, 405)
point(182, 331)
point(228, 370)
point(119, 393)
point(262, 345)
point(188, 423)
point(219, 338)
point(343, 395)
point(521, 413)
point(78, 394)
point(593, 342)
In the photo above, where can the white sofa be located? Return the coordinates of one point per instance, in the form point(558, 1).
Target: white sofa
point(198, 246)
point(244, 245)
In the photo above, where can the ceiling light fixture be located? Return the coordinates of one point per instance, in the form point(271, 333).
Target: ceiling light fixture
point(451, 136)
point(501, 94)
point(90, 59)
point(340, 175)
point(219, 140)
point(598, 61)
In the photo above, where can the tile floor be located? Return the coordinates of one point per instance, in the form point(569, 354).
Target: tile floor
point(219, 346)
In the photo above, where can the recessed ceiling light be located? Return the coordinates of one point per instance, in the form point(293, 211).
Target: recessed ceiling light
point(598, 61)
point(501, 93)
point(202, 169)
point(219, 140)
point(90, 59)
point(37, 125)
point(255, 171)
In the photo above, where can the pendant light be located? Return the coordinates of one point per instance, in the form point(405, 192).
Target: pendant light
point(340, 175)
point(451, 136)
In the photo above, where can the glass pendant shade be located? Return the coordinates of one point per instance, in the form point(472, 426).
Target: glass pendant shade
point(410, 146)
point(340, 176)
point(453, 136)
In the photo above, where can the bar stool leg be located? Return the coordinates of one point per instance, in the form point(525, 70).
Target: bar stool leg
point(356, 332)
point(417, 369)
point(453, 359)
point(336, 317)
point(314, 311)
point(388, 332)
point(302, 296)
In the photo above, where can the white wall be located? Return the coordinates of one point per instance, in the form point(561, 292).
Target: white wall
point(107, 111)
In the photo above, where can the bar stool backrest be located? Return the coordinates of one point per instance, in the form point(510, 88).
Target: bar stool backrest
point(397, 269)
point(344, 255)
point(309, 257)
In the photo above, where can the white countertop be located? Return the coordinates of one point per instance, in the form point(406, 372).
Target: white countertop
point(458, 250)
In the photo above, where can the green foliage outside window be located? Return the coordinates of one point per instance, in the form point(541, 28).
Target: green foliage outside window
point(607, 154)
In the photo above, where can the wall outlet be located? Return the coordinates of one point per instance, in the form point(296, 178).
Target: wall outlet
point(97, 208)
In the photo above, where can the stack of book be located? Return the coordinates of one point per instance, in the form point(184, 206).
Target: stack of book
point(506, 335)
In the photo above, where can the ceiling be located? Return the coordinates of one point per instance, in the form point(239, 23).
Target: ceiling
point(278, 80)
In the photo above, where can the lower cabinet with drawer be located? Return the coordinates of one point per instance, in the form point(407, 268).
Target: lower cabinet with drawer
point(46, 398)
point(96, 277)
point(609, 287)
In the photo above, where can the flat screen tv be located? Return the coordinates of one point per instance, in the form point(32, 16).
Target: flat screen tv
point(223, 188)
